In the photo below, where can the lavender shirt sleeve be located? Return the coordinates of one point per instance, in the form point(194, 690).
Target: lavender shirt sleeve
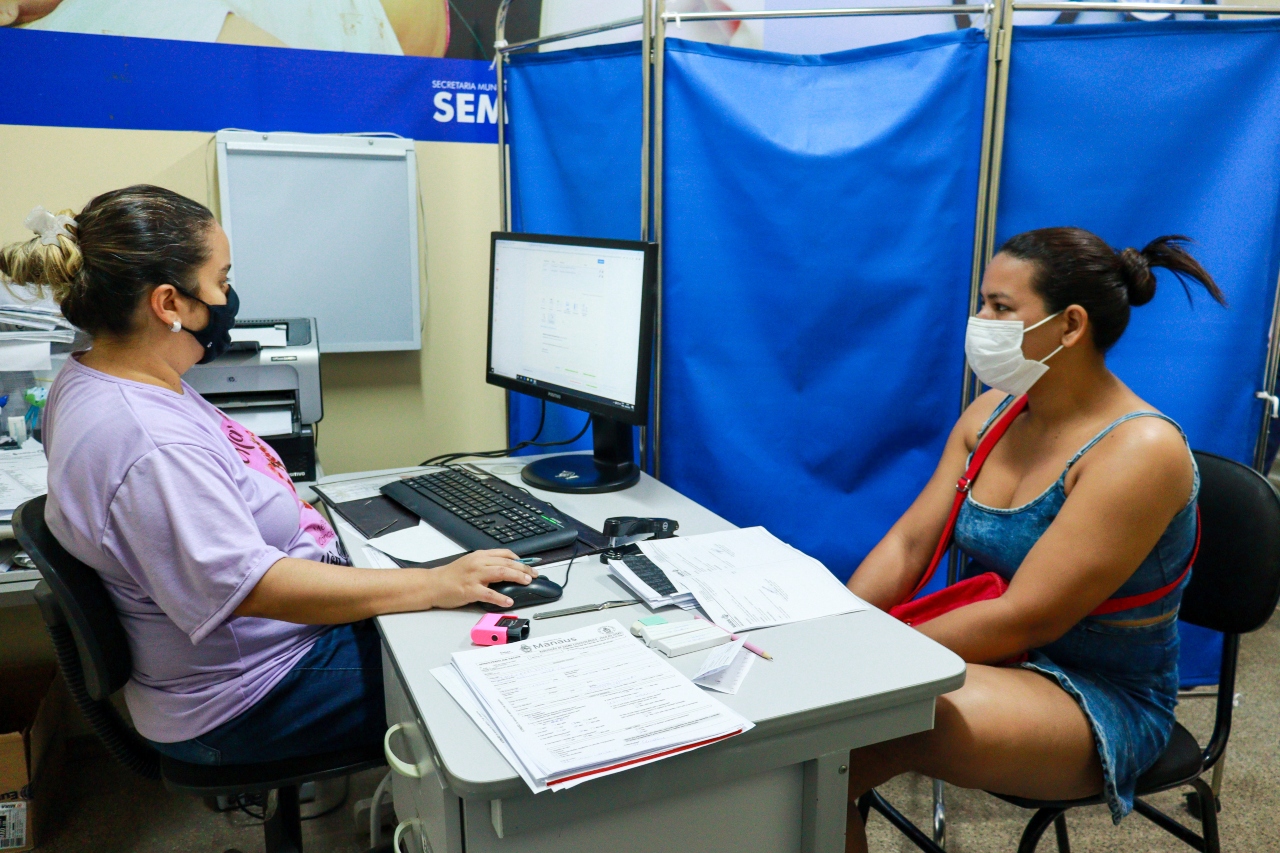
point(180, 527)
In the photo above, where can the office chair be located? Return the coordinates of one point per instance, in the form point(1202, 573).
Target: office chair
point(1234, 588)
point(93, 655)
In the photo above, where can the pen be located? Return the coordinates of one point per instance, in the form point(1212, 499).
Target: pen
point(748, 646)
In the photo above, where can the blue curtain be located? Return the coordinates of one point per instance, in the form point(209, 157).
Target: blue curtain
point(818, 232)
point(1137, 130)
point(575, 123)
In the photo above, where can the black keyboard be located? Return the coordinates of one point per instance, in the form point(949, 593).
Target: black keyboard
point(481, 513)
point(649, 572)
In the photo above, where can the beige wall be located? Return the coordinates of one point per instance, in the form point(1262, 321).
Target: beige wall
point(381, 409)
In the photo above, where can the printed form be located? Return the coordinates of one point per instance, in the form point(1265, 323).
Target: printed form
point(586, 703)
point(749, 578)
point(24, 474)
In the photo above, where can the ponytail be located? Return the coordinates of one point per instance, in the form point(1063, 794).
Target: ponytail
point(1076, 267)
point(1164, 252)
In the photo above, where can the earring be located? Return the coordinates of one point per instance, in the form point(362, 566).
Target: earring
point(176, 327)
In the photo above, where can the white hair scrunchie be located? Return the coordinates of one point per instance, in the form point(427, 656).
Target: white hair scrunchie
point(49, 226)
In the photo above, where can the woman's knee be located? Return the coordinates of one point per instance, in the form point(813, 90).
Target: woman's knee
point(873, 765)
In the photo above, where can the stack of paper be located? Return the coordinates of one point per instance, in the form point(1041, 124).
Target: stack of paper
point(38, 319)
point(576, 706)
point(28, 325)
point(749, 578)
point(629, 571)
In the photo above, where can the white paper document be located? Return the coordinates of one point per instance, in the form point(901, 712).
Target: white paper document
point(420, 544)
point(24, 474)
point(57, 336)
point(588, 703)
point(266, 336)
point(25, 355)
point(749, 578)
point(341, 491)
point(378, 560)
point(277, 420)
point(451, 681)
point(725, 667)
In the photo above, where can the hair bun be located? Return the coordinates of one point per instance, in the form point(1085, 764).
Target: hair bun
point(1139, 280)
point(53, 267)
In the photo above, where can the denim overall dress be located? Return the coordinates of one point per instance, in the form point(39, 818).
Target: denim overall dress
point(1123, 667)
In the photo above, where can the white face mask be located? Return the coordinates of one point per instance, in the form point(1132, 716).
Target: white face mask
point(994, 351)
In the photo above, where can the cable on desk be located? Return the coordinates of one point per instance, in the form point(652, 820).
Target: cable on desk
point(569, 567)
point(542, 421)
point(446, 458)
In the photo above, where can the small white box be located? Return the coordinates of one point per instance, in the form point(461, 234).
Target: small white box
point(682, 638)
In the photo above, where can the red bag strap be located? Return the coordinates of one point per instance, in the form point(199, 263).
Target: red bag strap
point(980, 453)
point(1128, 602)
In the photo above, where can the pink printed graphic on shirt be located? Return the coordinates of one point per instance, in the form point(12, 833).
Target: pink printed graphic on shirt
point(259, 456)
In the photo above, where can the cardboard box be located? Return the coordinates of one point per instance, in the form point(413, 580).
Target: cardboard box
point(32, 708)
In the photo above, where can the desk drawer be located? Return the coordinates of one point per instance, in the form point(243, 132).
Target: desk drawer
point(425, 798)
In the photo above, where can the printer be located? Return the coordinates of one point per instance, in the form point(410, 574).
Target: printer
point(269, 381)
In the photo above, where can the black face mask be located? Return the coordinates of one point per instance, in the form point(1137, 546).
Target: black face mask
point(215, 337)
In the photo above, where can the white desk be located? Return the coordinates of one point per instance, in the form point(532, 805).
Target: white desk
point(835, 684)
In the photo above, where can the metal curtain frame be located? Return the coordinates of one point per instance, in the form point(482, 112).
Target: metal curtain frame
point(653, 53)
point(1272, 365)
point(659, 52)
point(501, 49)
point(999, 14)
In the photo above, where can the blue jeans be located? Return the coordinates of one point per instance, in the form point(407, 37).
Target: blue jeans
point(331, 700)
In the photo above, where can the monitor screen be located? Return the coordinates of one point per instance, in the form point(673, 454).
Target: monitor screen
point(571, 320)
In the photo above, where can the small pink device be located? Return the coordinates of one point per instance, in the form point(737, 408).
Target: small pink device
point(496, 629)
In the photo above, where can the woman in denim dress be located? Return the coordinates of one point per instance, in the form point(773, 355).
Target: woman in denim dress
point(1089, 496)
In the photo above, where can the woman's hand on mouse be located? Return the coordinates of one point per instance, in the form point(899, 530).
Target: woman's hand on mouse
point(467, 578)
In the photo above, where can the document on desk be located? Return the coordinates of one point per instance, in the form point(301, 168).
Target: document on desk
point(748, 578)
point(364, 488)
point(725, 668)
point(24, 474)
point(576, 706)
point(419, 544)
point(640, 587)
point(452, 682)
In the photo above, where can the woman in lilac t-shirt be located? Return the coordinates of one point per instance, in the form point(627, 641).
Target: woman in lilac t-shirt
point(223, 578)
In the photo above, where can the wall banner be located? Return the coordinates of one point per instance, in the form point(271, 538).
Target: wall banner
point(76, 80)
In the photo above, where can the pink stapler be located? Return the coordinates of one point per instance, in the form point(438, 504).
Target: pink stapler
point(496, 629)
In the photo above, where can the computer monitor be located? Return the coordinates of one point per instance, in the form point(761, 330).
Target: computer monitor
point(571, 321)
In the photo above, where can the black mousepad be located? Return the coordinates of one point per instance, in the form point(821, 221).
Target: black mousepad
point(378, 516)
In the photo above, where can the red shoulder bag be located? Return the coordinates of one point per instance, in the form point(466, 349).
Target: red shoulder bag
point(989, 585)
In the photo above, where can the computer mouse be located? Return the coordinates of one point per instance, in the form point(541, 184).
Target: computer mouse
point(537, 591)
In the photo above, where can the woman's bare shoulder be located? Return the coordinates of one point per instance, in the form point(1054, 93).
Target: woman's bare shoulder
point(977, 414)
point(1151, 448)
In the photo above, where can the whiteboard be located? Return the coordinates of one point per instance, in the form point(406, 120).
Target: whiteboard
point(325, 227)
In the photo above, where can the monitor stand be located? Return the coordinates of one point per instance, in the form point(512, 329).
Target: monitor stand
point(610, 468)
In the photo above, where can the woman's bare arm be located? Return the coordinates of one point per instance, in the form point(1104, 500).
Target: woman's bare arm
point(312, 593)
point(1127, 490)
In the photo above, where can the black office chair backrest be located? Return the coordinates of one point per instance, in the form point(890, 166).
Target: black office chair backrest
point(1236, 581)
point(100, 639)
